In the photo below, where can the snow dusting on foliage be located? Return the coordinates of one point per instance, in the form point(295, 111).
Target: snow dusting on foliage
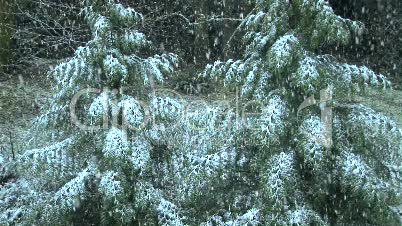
point(247, 151)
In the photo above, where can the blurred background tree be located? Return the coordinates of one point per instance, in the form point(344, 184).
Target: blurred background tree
point(5, 33)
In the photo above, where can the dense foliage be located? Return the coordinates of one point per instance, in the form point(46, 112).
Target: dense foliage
point(254, 151)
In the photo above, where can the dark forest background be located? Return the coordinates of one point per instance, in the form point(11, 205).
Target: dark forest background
point(35, 34)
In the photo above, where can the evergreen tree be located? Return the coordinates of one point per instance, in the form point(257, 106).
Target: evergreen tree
point(89, 175)
point(253, 157)
point(342, 168)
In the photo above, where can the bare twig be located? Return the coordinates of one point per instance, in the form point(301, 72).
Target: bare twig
point(236, 31)
point(172, 15)
point(202, 21)
point(214, 19)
